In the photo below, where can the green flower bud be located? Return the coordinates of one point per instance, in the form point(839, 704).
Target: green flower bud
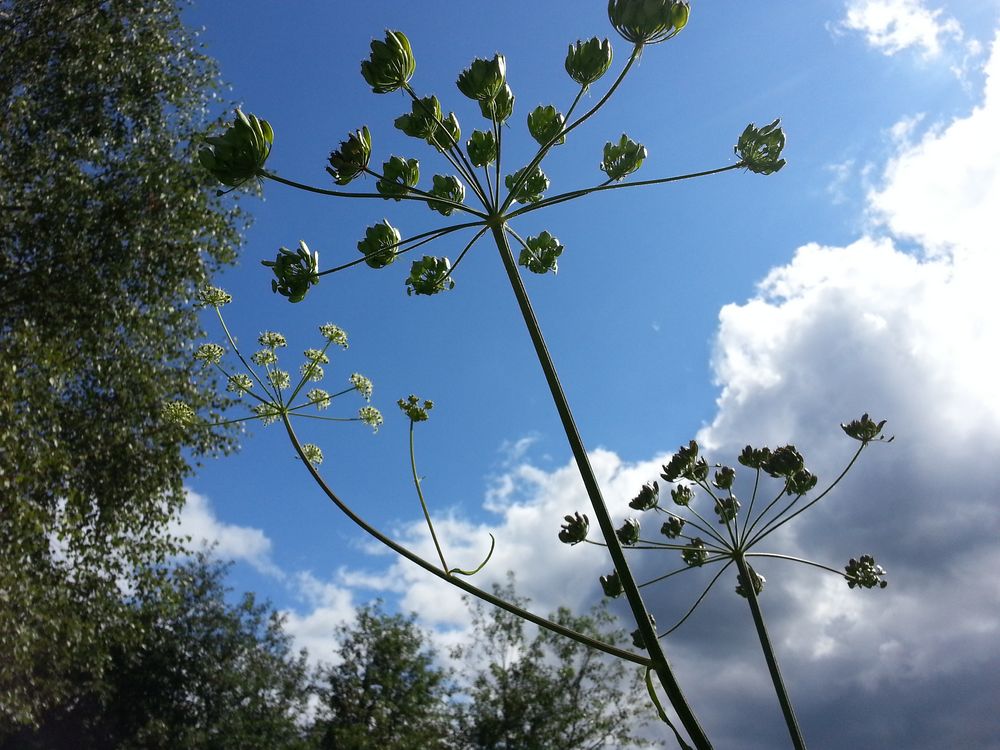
point(623, 158)
point(865, 429)
point(351, 159)
point(695, 554)
point(362, 385)
point(528, 188)
point(294, 272)
point(648, 21)
point(575, 529)
point(800, 482)
point(541, 254)
point(784, 462)
point(448, 187)
point(334, 334)
point(264, 357)
point(865, 572)
point(672, 527)
point(681, 462)
point(754, 458)
point(447, 134)
point(758, 582)
point(647, 498)
point(312, 453)
point(380, 244)
point(724, 477)
point(268, 413)
point(682, 495)
point(271, 340)
point(422, 122)
point(628, 534)
point(391, 64)
point(316, 355)
point(759, 149)
point(279, 379)
point(544, 123)
point(210, 354)
point(398, 176)
point(483, 79)
point(413, 409)
point(371, 417)
point(726, 508)
point(499, 108)
point(482, 148)
point(429, 275)
point(239, 384)
point(311, 371)
point(238, 155)
point(212, 296)
point(587, 61)
point(612, 585)
point(178, 413)
point(319, 398)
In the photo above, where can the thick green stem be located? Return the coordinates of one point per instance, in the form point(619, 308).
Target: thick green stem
point(646, 629)
point(772, 663)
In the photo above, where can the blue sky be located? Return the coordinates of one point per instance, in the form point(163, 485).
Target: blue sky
point(737, 308)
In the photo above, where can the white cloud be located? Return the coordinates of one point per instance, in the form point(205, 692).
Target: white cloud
point(230, 541)
point(327, 606)
point(911, 335)
point(892, 26)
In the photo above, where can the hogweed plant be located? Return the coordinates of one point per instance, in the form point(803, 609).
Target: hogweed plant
point(483, 197)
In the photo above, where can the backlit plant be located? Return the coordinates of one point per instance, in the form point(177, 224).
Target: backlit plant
point(485, 197)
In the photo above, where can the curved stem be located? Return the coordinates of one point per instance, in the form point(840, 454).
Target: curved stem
point(772, 663)
point(423, 503)
point(648, 633)
point(772, 526)
point(699, 600)
point(342, 194)
point(457, 582)
point(563, 197)
point(798, 560)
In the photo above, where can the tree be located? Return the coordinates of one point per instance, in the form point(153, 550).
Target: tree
point(547, 691)
point(203, 674)
point(107, 230)
point(386, 692)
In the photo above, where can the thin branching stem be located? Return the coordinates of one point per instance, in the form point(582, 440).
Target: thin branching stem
point(342, 194)
point(798, 560)
point(458, 582)
point(772, 526)
point(698, 601)
point(423, 503)
point(636, 51)
point(562, 197)
point(419, 239)
point(684, 569)
point(462, 254)
point(232, 342)
point(464, 168)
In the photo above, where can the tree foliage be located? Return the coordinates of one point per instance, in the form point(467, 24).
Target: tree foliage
point(203, 673)
point(546, 691)
point(107, 229)
point(386, 691)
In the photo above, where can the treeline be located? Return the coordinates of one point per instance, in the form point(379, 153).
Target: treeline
point(195, 669)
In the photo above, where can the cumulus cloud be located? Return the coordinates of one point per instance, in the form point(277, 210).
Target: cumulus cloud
point(900, 323)
point(229, 541)
point(892, 26)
